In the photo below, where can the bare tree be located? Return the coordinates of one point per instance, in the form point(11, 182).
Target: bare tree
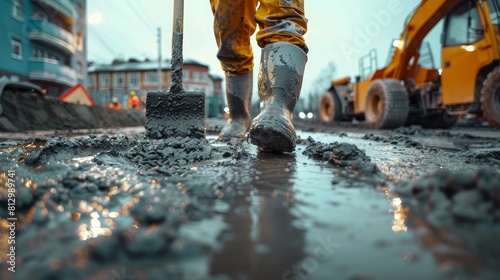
point(320, 85)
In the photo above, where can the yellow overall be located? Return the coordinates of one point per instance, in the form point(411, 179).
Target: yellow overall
point(235, 21)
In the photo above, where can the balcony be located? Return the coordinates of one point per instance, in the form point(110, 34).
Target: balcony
point(49, 70)
point(53, 35)
point(63, 7)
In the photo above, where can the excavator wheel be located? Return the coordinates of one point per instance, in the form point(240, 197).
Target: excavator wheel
point(442, 121)
point(330, 108)
point(490, 98)
point(387, 104)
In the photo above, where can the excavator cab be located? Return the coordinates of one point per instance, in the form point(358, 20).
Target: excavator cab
point(469, 54)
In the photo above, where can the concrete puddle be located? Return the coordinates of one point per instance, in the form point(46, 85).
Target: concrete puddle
point(85, 211)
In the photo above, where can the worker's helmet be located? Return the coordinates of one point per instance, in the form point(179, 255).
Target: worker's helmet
point(132, 93)
point(114, 100)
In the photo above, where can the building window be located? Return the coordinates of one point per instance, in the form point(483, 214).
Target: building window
point(196, 76)
point(185, 75)
point(17, 49)
point(133, 79)
point(17, 9)
point(37, 53)
point(151, 78)
point(104, 80)
point(79, 41)
point(119, 80)
point(203, 77)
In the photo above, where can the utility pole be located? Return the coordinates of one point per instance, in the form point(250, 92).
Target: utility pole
point(159, 78)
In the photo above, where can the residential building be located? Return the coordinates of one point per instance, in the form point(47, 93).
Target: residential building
point(44, 42)
point(120, 77)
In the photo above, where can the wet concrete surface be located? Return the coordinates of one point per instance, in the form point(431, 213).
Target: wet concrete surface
point(350, 203)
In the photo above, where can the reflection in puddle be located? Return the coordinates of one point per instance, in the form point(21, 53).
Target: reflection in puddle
point(92, 230)
point(400, 215)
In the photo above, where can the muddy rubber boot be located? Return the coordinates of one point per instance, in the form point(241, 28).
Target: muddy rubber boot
point(280, 80)
point(238, 94)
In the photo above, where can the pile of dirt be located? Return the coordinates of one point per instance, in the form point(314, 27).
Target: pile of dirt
point(31, 111)
point(180, 151)
point(488, 156)
point(457, 215)
point(343, 155)
point(449, 197)
point(176, 153)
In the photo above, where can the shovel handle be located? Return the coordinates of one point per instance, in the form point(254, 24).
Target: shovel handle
point(177, 38)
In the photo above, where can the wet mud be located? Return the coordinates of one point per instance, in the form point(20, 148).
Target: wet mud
point(457, 216)
point(343, 206)
point(342, 155)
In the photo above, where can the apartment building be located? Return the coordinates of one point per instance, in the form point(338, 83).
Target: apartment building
point(120, 77)
point(44, 42)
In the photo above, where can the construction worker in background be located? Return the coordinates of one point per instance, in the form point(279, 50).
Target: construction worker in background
point(282, 24)
point(115, 104)
point(133, 101)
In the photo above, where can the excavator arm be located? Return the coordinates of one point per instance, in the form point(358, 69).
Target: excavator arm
point(425, 17)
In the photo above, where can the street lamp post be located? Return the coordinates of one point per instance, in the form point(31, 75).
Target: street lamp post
point(159, 78)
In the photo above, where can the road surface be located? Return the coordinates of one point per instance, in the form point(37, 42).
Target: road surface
point(350, 203)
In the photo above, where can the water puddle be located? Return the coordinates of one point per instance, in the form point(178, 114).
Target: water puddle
point(242, 215)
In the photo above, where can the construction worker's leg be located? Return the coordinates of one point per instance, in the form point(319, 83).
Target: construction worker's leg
point(281, 21)
point(234, 24)
point(283, 60)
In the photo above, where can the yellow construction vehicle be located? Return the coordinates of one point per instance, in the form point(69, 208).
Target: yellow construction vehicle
point(405, 92)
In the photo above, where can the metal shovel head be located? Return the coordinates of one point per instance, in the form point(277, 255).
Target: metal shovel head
point(180, 114)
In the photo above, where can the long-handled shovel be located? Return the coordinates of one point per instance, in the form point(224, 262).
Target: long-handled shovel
point(177, 113)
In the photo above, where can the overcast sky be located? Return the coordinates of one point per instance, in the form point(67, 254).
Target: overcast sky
point(339, 32)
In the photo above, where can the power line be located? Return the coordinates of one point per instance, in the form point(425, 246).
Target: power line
point(96, 58)
point(104, 43)
point(145, 20)
point(119, 12)
point(144, 13)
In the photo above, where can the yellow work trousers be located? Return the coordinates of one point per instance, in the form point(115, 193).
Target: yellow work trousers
point(235, 21)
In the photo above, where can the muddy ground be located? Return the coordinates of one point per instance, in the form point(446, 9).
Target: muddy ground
point(350, 203)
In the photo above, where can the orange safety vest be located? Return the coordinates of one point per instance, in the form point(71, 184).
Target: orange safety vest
point(115, 106)
point(134, 102)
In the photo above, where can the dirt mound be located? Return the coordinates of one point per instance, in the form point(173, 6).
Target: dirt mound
point(342, 155)
point(491, 157)
point(460, 197)
point(34, 112)
point(168, 152)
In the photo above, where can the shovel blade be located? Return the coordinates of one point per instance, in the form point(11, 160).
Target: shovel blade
point(180, 114)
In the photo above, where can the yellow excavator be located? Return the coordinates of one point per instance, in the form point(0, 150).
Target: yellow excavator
point(405, 92)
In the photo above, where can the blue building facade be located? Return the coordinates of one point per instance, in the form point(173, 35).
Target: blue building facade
point(44, 42)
